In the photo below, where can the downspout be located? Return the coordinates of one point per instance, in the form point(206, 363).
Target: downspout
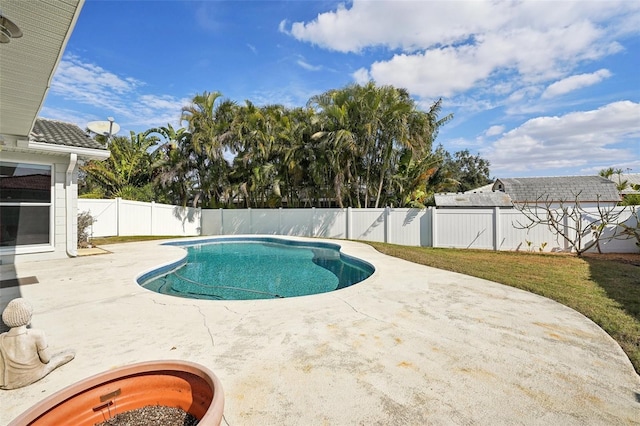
point(72, 245)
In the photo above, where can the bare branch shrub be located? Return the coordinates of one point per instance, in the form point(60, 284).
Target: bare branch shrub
point(571, 221)
point(85, 220)
point(629, 231)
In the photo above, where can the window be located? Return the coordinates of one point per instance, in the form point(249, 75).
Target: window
point(25, 204)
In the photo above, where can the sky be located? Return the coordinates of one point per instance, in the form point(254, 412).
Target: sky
point(537, 88)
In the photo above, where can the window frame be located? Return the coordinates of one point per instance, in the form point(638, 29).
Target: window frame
point(34, 248)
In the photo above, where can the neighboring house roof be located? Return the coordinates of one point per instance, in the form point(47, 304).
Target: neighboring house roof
point(476, 199)
point(631, 178)
point(557, 189)
point(61, 133)
point(486, 188)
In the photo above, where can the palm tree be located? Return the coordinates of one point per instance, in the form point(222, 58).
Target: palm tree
point(411, 182)
point(208, 122)
point(174, 165)
point(128, 171)
point(337, 140)
point(366, 130)
point(261, 137)
point(608, 173)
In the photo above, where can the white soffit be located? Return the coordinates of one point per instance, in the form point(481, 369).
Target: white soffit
point(27, 64)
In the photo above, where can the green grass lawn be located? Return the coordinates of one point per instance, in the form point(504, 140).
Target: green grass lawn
point(605, 290)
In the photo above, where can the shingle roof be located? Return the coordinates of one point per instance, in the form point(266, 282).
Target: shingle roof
point(61, 133)
point(476, 199)
point(556, 189)
point(630, 178)
point(485, 188)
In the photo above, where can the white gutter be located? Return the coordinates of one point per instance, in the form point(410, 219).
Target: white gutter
point(88, 153)
point(72, 243)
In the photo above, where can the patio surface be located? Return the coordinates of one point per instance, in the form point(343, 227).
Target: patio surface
point(412, 345)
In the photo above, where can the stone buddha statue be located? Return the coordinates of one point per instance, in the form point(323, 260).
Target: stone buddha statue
point(24, 354)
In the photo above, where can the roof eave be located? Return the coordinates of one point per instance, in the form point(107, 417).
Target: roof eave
point(59, 58)
point(28, 64)
point(86, 153)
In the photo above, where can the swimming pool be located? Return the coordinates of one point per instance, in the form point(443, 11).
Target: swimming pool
point(247, 268)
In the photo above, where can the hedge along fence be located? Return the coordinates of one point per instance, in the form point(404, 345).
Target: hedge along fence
point(479, 228)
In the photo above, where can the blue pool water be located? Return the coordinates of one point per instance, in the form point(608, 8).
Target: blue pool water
point(256, 268)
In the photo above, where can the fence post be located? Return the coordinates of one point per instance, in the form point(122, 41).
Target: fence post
point(280, 221)
point(349, 223)
point(434, 227)
point(387, 230)
point(199, 212)
point(250, 220)
point(496, 228)
point(118, 199)
point(153, 204)
point(565, 224)
point(221, 231)
point(313, 222)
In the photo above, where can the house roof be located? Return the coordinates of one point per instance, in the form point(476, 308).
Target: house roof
point(630, 178)
point(27, 64)
point(485, 188)
point(475, 199)
point(557, 189)
point(61, 133)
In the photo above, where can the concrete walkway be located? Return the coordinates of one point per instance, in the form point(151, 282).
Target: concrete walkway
point(412, 345)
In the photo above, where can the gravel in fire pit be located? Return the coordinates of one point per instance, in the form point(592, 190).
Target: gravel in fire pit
point(159, 415)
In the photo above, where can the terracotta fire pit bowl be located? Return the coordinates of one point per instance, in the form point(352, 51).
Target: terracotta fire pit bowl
point(186, 385)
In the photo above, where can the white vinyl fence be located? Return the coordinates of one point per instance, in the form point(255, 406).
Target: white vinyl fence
point(399, 226)
point(124, 218)
point(479, 228)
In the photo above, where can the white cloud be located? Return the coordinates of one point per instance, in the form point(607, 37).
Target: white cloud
point(282, 26)
point(307, 66)
point(163, 102)
point(571, 140)
point(376, 23)
point(78, 118)
point(494, 130)
point(448, 48)
point(89, 83)
point(575, 82)
point(361, 76)
point(520, 95)
point(435, 73)
point(522, 54)
point(158, 110)
point(428, 24)
point(119, 96)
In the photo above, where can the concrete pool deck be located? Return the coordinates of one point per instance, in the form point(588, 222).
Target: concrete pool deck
point(412, 345)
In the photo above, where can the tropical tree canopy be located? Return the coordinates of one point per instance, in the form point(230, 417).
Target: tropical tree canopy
point(463, 170)
point(630, 191)
point(127, 173)
point(359, 146)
